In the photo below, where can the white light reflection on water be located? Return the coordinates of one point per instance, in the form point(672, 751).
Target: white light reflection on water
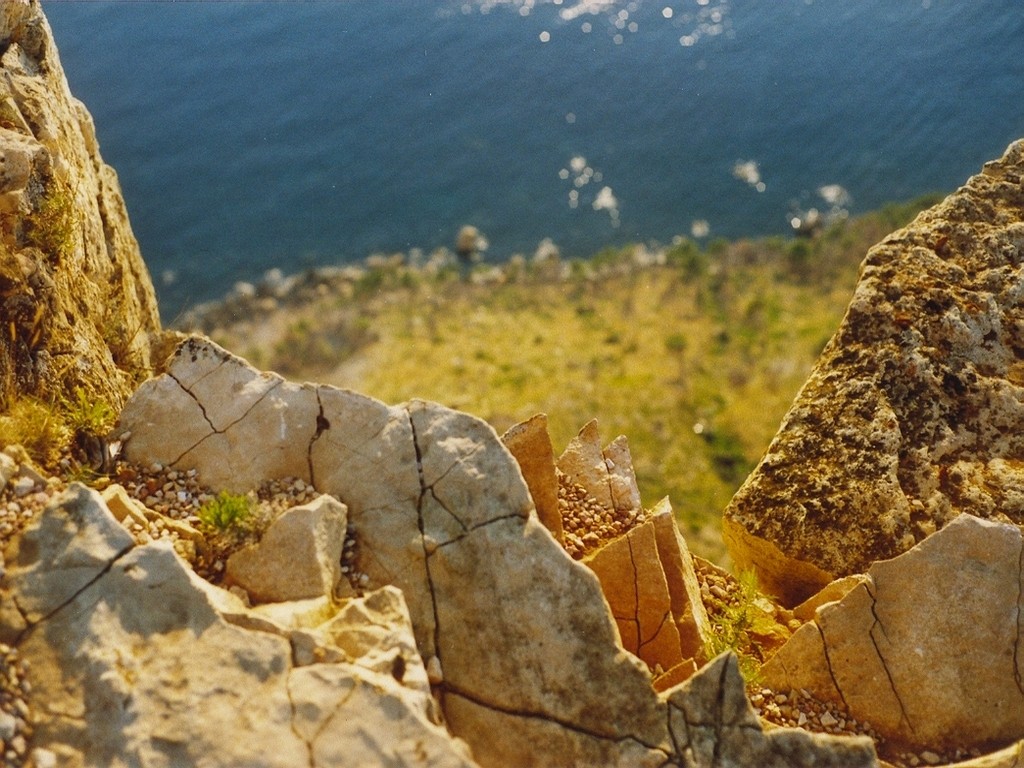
point(694, 19)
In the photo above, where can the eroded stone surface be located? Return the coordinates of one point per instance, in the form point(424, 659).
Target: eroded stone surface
point(73, 279)
point(915, 410)
point(519, 643)
point(928, 647)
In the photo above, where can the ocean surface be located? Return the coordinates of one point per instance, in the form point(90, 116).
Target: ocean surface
point(256, 135)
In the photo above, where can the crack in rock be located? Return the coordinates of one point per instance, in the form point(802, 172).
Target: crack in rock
point(427, 550)
point(295, 729)
point(828, 664)
point(322, 425)
point(227, 427)
point(31, 626)
point(475, 527)
point(451, 690)
point(885, 667)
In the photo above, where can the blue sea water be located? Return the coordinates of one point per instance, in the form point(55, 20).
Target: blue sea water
point(290, 134)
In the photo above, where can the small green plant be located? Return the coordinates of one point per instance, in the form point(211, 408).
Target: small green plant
point(227, 513)
point(84, 414)
point(54, 223)
point(742, 626)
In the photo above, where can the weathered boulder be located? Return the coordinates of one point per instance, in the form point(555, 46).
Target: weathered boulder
point(915, 410)
point(928, 647)
point(299, 556)
point(73, 283)
point(517, 637)
point(135, 660)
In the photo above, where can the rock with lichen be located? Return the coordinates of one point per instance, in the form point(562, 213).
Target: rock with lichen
point(77, 303)
point(915, 411)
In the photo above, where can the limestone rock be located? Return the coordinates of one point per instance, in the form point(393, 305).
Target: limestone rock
point(530, 444)
point(648, 579)
point(521, 648)
point(688, 610)
point(144, 663)
point(928, 647)
point(71, 274)
point(831, 593)
point(915, 410)
point(298, 557)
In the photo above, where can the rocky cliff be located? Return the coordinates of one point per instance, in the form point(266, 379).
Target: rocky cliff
point(280, 574)
point(76, 303)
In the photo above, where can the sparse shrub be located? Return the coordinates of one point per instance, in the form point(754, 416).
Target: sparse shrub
point(38, 427)
point(742, 626)
point(54, 223)
point(84, 414)
point(676, 343)
point(687, 257)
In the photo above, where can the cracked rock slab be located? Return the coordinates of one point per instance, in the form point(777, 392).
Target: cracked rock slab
point(915, 410)
point(524, 655)
point(146, 664)
point(928, 648)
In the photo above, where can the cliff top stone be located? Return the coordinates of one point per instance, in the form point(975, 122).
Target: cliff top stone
point(913, 414)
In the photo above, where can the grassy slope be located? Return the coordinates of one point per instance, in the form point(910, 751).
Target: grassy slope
point(695, 362)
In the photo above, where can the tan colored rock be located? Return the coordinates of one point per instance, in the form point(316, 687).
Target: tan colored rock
point(635, 587)
point(73, 279)
point(583, 463)
point(123, 507)
point(621, 477)
point(607, 474)
point(530, 444)
point(711, 715)
point(835, 591)
point(680, 673)
point(915, 410)
point(928, 647)
point(688, 610)
point(521, 647)
point(146, 664)
point(299, 556)
point(239, 424)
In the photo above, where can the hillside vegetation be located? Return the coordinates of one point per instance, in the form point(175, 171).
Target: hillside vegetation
point(693, 353)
